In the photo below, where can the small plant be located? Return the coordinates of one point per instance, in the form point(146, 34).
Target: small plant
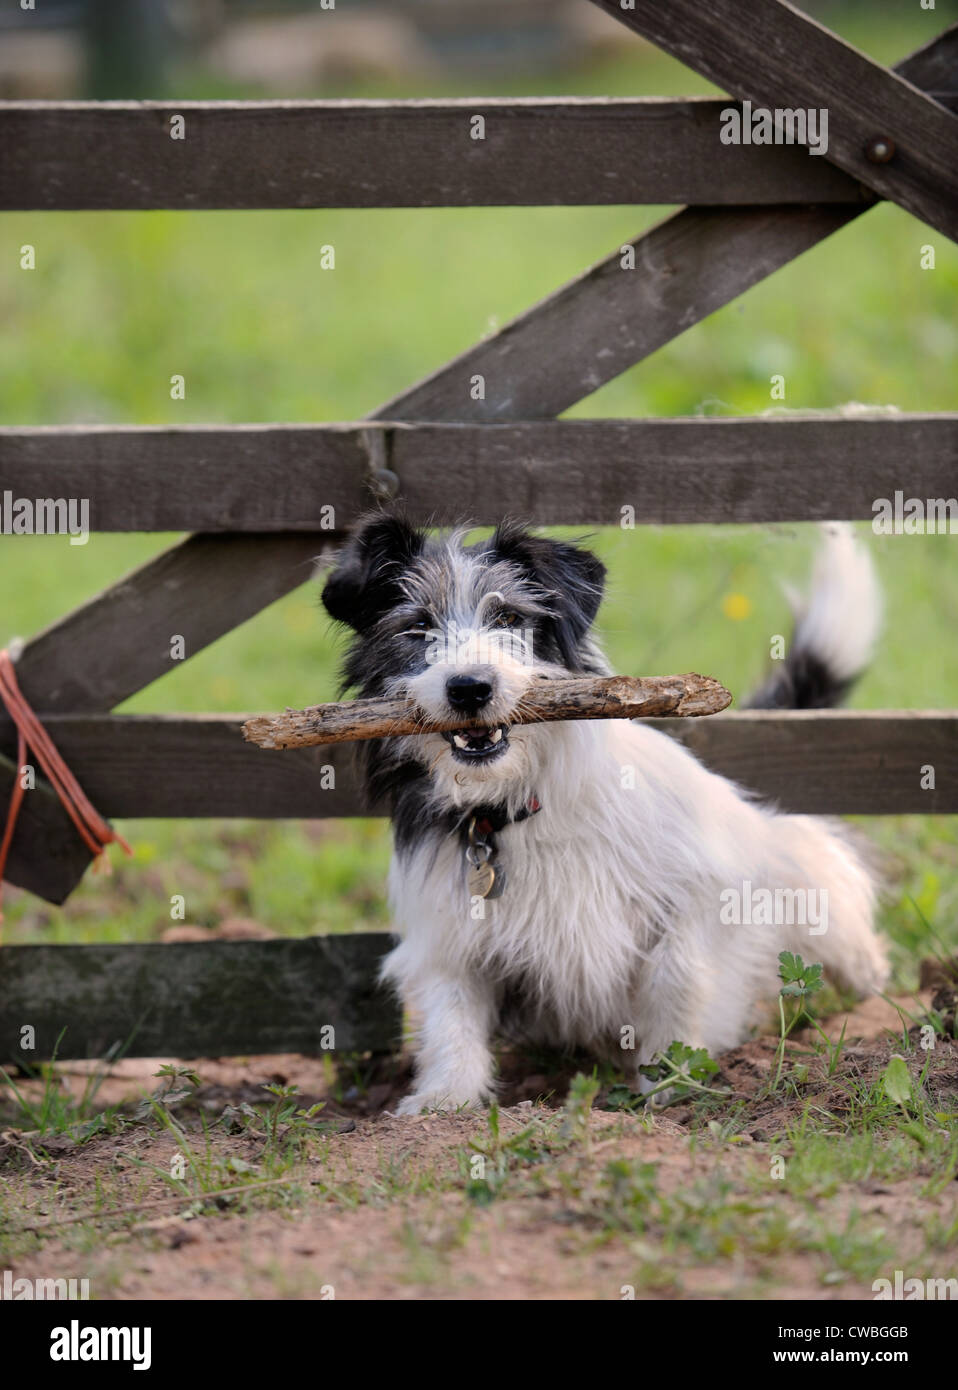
point(176, 1084)
point(897, 1085)
point(896, 1081)
point(679, 1073)
point(282, 1119)
point(627, 1195)
point(57, 1111)
point(800, 982)
point(574, 1126)
point(498, 1154)
point(285, 1112)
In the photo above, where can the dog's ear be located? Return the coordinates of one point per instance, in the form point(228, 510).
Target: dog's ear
point(365, 581)
point(573, 578)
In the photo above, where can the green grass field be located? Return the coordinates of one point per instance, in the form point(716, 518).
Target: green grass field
point(238, 304)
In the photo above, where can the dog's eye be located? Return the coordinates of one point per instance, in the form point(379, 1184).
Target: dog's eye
point(418, 628)
point(507, 619)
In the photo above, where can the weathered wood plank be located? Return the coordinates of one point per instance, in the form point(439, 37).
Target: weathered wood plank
point(834, 762)
point(208, 478)
point(770, 53)
point(825, 761)
point(576, 472)
point(42, 822)
point(125, 764)
point(198, 999)
point(313, 154)
point(106, 650)
point(934, 67)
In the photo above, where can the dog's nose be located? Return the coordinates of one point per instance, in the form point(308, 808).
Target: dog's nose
point(468, 693)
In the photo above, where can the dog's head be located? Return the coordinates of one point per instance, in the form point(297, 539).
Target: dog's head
point(464, 631)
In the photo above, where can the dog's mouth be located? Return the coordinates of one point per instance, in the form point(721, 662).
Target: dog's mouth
point(478, 745)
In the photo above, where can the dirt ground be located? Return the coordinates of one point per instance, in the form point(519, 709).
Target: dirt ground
point(561, 1199)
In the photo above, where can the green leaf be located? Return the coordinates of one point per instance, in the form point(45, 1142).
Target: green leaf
point(694, 1062)
point(897, 1081)
point(312, 1112)
point(789, 966)
point(799, 979)
point(622, 1097)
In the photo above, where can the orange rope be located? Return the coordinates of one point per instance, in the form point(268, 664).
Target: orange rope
point(94, 830)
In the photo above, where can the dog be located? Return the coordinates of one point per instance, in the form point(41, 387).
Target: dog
point(569, 883)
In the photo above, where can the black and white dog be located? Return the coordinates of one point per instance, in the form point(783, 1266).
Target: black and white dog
point(571, 882)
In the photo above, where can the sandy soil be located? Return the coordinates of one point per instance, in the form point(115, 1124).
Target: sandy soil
point(379, 1207)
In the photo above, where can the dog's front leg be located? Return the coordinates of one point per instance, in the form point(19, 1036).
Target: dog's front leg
point(668, 1007)
point(454, 1065)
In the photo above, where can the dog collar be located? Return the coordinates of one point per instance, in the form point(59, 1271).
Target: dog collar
point(486, 879)
point(488, 819)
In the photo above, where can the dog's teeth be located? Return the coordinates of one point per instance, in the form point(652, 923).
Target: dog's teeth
point(460, 741)
point(495, 736)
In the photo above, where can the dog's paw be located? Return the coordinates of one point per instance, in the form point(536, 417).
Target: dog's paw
point(421, 1101)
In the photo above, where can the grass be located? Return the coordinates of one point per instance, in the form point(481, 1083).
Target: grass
point(57, 1112)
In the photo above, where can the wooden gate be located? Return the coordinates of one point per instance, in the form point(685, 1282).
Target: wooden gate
point(256, 496)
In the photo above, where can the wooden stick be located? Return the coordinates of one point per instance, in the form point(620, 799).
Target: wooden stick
point(576, 697)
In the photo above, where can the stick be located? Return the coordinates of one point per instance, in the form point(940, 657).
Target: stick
point(577, 697)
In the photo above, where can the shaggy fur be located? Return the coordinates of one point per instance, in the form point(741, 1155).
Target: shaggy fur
point(611, 925)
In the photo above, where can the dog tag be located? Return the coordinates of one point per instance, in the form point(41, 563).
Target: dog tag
point(482, 878)
point(498, 884)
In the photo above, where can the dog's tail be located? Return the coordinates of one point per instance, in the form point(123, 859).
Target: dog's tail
point(835, 629)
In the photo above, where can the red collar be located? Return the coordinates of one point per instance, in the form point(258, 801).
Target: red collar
point(488, 819)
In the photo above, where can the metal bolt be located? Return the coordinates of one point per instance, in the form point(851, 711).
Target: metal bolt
point(880, 149)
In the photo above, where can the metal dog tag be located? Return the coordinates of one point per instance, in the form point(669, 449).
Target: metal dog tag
point(482, 880)
point(485, 880)
point(498, 883)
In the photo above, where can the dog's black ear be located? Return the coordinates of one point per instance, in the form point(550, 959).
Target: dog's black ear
point(365, 581)
point(573, 578)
